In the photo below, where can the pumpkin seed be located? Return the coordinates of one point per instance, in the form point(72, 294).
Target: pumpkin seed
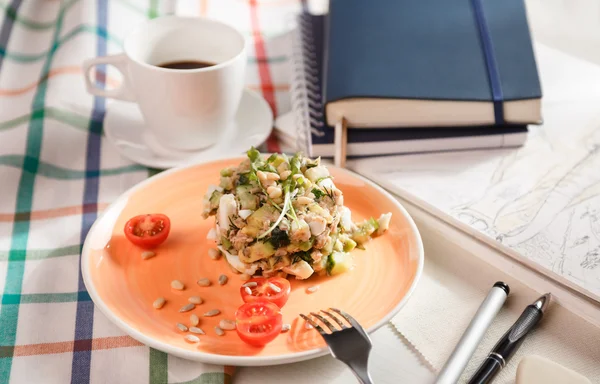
point(176, 284)
point(228, 325)
point(182, 327)
point(159, 303)
point(212, 312)
point(274, 287)
point(187, 307)
point(197, 330)
point(192, 338)
point(148, 254)
point(312, 289)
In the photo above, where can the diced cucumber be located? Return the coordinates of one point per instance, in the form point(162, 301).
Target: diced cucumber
point(360, 237)
point(349, 245)
point(365, 230)
point(250, 231)
point(214, 199)
point(266, 213)
point(225, 242)
point(247, 199)
point(275, 159)
point(338, 246)
point(258, 251)
point(302, 246)
point(315, 173)
point(339, 262)
point(226, 183)
point(226, 172)
point(306, 245)
point(373, 224)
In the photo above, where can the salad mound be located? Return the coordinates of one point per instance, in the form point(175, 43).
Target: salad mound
point(281, 215)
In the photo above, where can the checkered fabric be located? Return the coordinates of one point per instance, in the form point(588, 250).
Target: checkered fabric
point(57, 172)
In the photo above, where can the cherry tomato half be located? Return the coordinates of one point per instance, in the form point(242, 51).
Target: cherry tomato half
point(148, 231)
point(274, 289)
point(258, 323)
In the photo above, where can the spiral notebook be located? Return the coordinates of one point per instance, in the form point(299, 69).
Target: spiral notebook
point(311, 134)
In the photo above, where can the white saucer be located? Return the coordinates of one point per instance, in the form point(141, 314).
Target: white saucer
point(125, 128)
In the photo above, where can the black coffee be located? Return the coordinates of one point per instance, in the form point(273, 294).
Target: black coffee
point(187, 64)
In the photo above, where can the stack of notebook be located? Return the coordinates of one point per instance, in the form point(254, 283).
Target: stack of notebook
point(413, 76)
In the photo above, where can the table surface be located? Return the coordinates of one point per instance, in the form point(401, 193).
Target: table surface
point(58, 172)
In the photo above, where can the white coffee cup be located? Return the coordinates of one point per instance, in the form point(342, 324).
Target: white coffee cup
point(185, 109)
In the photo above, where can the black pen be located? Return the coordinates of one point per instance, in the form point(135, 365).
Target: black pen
point(511, 341)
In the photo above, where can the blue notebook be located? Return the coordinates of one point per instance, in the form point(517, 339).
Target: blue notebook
point(429, 63)
point(315, 137)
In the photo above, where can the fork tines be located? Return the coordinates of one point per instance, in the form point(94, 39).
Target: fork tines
point(330, 316)
point(349, 344)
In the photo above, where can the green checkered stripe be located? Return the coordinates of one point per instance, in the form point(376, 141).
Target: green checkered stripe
point(57, 173)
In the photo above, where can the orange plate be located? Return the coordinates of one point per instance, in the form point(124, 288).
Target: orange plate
point(124, 286)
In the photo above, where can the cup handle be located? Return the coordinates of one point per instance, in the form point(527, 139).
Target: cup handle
point(119, 61)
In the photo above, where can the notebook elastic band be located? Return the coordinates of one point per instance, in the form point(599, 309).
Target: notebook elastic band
point(490, 61)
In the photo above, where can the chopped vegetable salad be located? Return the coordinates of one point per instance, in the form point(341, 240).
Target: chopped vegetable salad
point(281, 215)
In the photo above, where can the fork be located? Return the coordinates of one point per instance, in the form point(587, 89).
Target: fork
point(349, 344)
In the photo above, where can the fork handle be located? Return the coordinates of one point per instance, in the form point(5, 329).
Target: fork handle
point(361, 373)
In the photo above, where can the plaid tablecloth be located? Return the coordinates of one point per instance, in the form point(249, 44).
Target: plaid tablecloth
point(57, 172)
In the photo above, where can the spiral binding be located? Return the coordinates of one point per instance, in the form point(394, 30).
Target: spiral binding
point(305, 89)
